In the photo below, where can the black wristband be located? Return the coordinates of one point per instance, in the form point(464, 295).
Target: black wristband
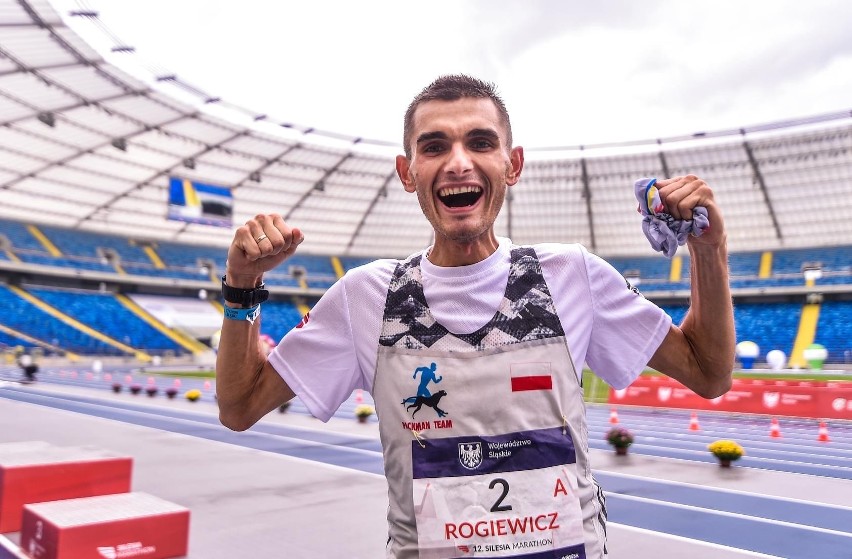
point(245, 298)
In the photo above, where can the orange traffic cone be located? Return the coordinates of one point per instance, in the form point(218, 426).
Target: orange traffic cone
point(359, 396)
point(693, 422)
point(823, 432)
point(613, 416)
point(775, 429)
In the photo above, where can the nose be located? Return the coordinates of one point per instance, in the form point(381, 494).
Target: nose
point(459, 162)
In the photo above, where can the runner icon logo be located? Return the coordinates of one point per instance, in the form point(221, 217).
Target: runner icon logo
point(424, 396)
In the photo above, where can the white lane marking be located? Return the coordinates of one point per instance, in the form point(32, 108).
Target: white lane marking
point(6, 544)
point(751, 459)
point(617, 496)
point(744, 552)
point(645, 479)
point(302, 442)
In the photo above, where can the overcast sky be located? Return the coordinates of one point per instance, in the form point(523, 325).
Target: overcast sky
point(571, 72)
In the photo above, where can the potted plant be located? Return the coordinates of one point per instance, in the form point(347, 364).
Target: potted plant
point(193, 395)
point(363, 411)
point(151, 391)
point(620, 438)
point(171, 393)
point(726, 451)
point(135, 388)
point(284, 407)
point(116, 387)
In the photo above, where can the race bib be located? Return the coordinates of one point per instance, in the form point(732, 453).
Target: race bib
point(512, 495)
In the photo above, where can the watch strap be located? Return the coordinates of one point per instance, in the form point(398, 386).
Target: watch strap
point(246, 298)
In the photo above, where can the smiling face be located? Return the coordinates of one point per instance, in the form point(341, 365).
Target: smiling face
point(460, 168)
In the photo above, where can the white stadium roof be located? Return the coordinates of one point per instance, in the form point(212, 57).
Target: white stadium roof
point(88, 145)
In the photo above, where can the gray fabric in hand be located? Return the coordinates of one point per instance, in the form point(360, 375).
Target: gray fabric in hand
point(664, 232)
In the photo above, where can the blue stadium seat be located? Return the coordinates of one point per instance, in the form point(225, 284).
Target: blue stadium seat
point(279, 317)
point(28, 319)
point(834, 330)
point(104, 313)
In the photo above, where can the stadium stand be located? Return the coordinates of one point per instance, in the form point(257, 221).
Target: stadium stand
point(8, 342)
point(833, 330)
point(279, 317)
point(772, 324)
point(29, 319)
point(105, 313)
point(101, 149)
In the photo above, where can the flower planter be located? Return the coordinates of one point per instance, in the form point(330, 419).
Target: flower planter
point(364, 411)
point(135, 389)
point(171, 393)
point(116, 388)
point(620, 439)
point(726, 451)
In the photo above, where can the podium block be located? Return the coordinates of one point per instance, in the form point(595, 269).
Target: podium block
point(130, 525)
point(36, 472)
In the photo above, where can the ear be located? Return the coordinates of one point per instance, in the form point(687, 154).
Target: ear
point(403, 168)
point(516, 161)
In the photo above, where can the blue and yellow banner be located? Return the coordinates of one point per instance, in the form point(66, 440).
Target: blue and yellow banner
point(196, 202)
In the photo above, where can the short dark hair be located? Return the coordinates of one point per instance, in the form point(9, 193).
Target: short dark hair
point(451, 88)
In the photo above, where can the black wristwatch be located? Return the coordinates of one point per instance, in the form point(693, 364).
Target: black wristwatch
point(246, 298)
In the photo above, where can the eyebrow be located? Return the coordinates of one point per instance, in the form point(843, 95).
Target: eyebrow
point(475, 133)
point(427, 136)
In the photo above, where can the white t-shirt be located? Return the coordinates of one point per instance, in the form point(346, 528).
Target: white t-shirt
point(607, 324)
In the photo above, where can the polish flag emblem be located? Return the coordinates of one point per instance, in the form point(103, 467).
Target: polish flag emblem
point(304, 321)
point(531, 376)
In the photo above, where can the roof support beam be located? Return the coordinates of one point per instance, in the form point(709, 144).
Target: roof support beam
point(762, 183)
point(381, 193)
point(587, 194)
point(165, 171)
point(267, 165)
point(318, 186)
point(663, 163)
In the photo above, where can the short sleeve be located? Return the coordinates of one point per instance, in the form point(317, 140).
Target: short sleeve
point(317, 358)
point(626, 328)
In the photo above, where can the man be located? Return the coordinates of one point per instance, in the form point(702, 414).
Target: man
point(496, 463)
point(28, 366)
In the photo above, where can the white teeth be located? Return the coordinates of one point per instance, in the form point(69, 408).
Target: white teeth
point(452, 190)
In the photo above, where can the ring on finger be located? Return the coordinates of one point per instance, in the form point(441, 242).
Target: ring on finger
point(257, 240)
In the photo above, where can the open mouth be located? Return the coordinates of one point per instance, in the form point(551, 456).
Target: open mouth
point(459, 196)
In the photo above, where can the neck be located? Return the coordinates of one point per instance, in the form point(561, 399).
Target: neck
point(448, 253)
